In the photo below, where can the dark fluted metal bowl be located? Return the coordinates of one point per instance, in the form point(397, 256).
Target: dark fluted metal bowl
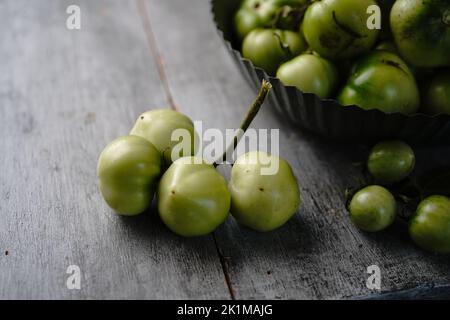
point(328, 118)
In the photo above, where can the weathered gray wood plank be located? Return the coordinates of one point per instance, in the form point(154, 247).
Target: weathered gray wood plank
point(63, 96)
point(319, 253)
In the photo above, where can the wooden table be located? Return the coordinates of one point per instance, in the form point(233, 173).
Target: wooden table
point(64, 94)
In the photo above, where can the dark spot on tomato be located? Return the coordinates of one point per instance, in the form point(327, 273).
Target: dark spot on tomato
point(257, 5)
point(261, 189)
point(173, 191)
point(142, 117)
point(330, 41)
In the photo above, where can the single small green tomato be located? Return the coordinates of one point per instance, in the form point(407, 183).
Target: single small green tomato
point(310, 73)
point(337, 29)
point(438, 94)
point(264, 191)
point(193, 198)
point(128, 171)
point(430, 226)
point(421, 30)
point(391, 161)
point(158, 126)
point(253, 14)
point(373, 208)
point(269, 48)
point(381, 80)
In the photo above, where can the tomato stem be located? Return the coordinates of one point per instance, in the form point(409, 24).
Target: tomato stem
point(251, 114)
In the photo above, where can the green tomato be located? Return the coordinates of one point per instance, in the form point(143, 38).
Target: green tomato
point(381, 80)
point(421, 29)
point(373, 208)
point(269, 48)
point(438, 94)
point(391, 161)
point(430, 226)
point(157, 126)
point(337, 29)
point(310, 73)
point(263, 200)
point(128, 170)
point(193, 198)
point(253, 14)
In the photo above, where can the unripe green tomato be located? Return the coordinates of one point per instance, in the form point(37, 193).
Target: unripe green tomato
point(381, 80)
point(337, 29)
point(157, 126)
point(310, 73)
point(391, 161)
point(373, 208)
point(193, 198)
point(253, 14)
point(269, 48)
point(128, 171)
point(261, 199)
point(438, 94)
point(430, 226)
point(421, 31)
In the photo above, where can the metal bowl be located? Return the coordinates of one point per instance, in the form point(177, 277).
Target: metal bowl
point(326, 117)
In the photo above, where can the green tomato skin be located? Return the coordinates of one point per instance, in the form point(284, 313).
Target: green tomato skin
point(253, 14)
point(382, 81)
point(128, 170)
point(391, 161)
point(245, 21)
point(430, 226)
point(262, 202)
point(193, 198)
point(337, 29)
point(310, 73)
point(421, 31)
point(264, 48)
point(157, 127)
point(373, 208)
point(438, 94)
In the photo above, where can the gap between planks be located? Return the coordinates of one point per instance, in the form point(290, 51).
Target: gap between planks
point(154, 51)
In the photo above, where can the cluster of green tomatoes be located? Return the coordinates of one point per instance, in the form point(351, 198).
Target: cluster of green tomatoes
point(331, 49)
point(374, 207)
point(193, 198)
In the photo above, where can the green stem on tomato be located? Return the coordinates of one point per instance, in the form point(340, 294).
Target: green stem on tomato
point(251, 114)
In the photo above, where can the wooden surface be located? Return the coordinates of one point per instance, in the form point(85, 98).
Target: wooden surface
point(65, 94)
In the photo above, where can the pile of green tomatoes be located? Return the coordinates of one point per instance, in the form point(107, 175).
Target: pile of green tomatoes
point(192, 197)
point(336, 49)
point(374, 207)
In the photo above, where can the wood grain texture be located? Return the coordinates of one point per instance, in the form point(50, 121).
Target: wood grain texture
point(63, 96)
point(319, 253)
